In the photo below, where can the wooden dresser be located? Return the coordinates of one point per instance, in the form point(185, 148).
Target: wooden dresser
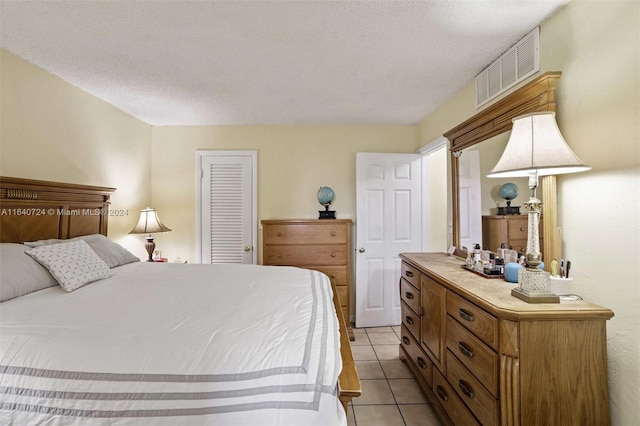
point(322, 245)
point(510, 230)
point(484, 357)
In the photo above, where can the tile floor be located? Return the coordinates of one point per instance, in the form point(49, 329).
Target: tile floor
point(390, 394)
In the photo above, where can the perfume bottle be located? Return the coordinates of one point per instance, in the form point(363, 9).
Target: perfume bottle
point(477, 252)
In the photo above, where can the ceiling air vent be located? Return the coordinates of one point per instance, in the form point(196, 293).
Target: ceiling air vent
point(516, 64)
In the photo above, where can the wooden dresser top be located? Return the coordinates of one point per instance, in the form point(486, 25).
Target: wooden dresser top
point(494, 295)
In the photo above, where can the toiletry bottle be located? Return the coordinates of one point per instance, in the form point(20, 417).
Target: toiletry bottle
point(554, 268)
point(476, 252)
point(501, 251)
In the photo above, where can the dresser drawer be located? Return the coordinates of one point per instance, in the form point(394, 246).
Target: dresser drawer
point(338, 274)
point(421, 361)
point(305, 255)
point(483, 405)
point(519, 245)
point(318, 233)
point(411, 320)
point(482, 324)
point(410, 295)
point(517, 228)
point(411, 274)
point(459, 414)
point(475, 355)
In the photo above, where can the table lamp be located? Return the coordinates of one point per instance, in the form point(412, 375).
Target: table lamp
point(535, 148)
point(149, 224)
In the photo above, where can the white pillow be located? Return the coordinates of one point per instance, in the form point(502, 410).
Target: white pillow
point(112, 253)
point(72, 264)
point(20, 274)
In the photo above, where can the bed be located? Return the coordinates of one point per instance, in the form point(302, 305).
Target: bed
point(155, 343)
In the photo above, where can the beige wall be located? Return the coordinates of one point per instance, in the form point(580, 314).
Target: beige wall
point(51, 130)
point(293, 162)
point(596, 46)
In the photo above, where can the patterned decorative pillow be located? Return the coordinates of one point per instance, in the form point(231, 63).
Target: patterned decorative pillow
point(112, 253)
point(72, 264)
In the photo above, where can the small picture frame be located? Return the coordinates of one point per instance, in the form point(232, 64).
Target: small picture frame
point(157, 254)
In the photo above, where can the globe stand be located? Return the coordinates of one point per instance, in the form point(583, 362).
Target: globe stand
point(508, 210)
point(327, 214)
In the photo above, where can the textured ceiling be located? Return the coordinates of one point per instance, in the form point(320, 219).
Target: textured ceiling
point(269, 62)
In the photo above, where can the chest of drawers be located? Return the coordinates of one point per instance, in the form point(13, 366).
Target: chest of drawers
point(322, 245)
point(484, 357)
point(510, 230)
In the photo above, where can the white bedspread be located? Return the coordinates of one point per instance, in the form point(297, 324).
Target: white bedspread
point(174, 344)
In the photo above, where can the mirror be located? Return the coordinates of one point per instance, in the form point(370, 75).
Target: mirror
point(488, 132)
point(479, 195)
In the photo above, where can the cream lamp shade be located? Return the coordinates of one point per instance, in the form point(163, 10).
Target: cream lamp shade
point(537, 146)
point(149, 223)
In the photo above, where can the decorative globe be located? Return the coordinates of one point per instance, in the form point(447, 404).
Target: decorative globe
point(509, 191)
point(325, 195)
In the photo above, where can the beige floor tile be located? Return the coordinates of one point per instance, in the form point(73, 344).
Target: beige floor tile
point(363, 353)
point(369, 370)
point(378, 415)
point(374, 392)
point(395, 369)
point(407, 391)
point(361, 339)
point(419, 415)
point(379, 330)
point(384, 338)
point(386, 352)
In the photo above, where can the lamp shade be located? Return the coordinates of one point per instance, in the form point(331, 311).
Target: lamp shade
point(149, 223)
point(536, 145)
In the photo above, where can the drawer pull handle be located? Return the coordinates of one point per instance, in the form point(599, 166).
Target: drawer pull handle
point(442, 394)
point(465, 350)
point(279, 234)
point(279, 255)
point(467, 316)
point(421, 363)
point(465, 388)
point(405, 340)
point(333, 233)
point(522, 228)
point(409, 295)
point(408, 320)
point(408, 274)
point(333, 254)
point(333, 275)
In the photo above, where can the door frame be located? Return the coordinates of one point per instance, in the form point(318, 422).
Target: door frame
point(253, 154)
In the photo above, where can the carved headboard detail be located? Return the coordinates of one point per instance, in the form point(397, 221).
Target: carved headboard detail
point(35, 210)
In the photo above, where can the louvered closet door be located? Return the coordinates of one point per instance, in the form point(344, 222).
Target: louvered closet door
point(227, 208)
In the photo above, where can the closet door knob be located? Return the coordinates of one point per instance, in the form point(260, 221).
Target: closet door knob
point(361, 249)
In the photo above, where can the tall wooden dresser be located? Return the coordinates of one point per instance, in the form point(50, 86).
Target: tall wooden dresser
point(322, 245)
point(483, 357)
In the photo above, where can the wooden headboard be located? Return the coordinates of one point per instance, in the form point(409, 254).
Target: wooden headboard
point(35, 210)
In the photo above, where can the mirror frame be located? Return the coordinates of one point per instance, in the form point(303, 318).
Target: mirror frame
point(537, 96)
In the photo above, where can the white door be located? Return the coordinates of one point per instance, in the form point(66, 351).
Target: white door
point(470, 202)
point(388, 223)
point(227, 220)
